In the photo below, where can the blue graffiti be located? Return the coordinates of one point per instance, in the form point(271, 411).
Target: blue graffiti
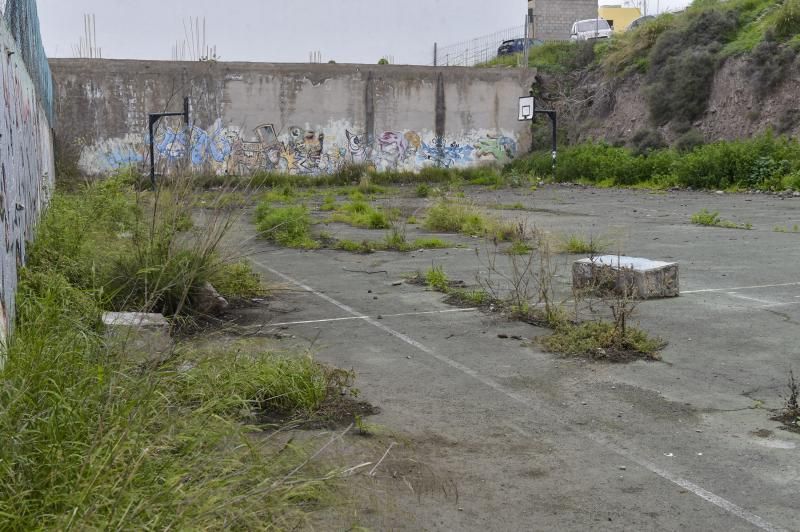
point(445, 156)
point(122, 156)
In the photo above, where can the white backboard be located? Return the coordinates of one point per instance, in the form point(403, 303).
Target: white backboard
point(527, 106)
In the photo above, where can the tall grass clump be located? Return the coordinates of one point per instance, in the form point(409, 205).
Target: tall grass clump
point(136, 250)
point(92, 443)
point(288, 226)
point(91, 439)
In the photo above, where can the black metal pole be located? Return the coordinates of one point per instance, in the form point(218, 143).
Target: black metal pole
point(151, 122)
point(533, 120)
point(554, 118)
point(153, 119)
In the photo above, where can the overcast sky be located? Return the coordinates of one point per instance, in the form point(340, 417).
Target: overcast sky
point(359, 31)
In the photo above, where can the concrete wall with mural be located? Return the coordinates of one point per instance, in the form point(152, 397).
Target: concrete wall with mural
point(26, 168)
point(298, 119)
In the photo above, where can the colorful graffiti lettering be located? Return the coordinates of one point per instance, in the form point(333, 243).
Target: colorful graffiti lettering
point(297, 151)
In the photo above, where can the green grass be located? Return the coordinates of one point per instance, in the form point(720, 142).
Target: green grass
point(474, 298)
point(456, 217)
point(430, 243)
point(365, 246)
point(437, 279)
point(518, 247)
point(91, 441)
point(601, 340)
point(359, 213)
point(781, 229)
point(578, 245)
point(392, 242)
point(136, 251)
point(288, 226)
point(237, 280)
point(708, 218)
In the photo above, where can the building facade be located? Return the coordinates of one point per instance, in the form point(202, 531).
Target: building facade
point(552, 19)
point(618, 17)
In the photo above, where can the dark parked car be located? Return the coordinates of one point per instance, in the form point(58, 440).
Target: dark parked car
point(516, 46)
point(639, 21)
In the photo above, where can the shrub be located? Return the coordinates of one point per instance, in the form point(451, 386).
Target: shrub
point(758, 162)
point(437, 279)
point(456, 217)
point(689, 140)
point(683, 62)
point(360, 213)
point(646, 140)
point(288, 226)
point(787, 24)
point(90, 442)
point(768, 65)
point(237, 280)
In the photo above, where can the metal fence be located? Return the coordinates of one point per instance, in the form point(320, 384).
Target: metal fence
point(475, 51)
point(22, 20)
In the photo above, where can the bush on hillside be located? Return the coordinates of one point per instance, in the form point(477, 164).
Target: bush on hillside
point(762, 162)
point(683, 62)
point(647, 140)
point(768, 65)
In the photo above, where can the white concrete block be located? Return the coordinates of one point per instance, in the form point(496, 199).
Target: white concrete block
point(141, 336)
point(641, 278)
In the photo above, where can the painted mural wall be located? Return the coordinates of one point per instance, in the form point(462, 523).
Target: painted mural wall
point(298, 151)
point(296, 119)
point(26, 169)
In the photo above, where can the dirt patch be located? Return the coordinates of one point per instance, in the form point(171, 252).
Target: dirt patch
point(789, 419)
point(337, 411)
point(762, 433)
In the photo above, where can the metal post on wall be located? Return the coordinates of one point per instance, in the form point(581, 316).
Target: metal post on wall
point(528, 111)
point(527, 45)
point(153, 119)
point(435, 53)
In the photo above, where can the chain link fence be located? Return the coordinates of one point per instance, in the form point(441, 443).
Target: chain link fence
point(22, 20)
point(475, 51)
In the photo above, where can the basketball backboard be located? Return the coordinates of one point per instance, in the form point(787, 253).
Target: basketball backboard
point(527, 107)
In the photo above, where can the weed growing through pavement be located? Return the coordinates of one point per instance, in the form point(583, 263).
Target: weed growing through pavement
point(708, 218)
point(575, 244)
point(288, 226)
point(781, 229)
point(437, 278)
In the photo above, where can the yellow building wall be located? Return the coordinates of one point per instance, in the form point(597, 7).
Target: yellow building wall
point(619, 17)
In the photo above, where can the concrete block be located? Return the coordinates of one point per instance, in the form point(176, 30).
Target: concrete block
point(140, 336)
point(641, 278)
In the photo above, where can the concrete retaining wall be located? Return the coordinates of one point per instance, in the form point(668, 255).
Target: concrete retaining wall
point(26, 169)
point(299, 119)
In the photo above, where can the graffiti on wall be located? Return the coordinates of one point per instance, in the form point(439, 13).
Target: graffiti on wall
point(296, 150)
point(26, 169)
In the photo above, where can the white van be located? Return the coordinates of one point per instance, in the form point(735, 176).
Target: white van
point(593, 28)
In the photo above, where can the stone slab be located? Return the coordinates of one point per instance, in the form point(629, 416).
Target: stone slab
point(140, 336)
point(639, 277)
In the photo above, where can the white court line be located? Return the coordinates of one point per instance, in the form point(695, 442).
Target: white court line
point(738, 288)
point(445, 311)
point(748, 298)
point(675, 479)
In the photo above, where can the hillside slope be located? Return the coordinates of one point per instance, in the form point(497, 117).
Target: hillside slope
point(721, 70)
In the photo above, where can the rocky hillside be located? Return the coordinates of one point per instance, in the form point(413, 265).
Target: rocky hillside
point(721, 70)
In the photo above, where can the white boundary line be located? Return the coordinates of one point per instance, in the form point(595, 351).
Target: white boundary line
point(737, 288)
point(714, 499)
point(364, 317)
